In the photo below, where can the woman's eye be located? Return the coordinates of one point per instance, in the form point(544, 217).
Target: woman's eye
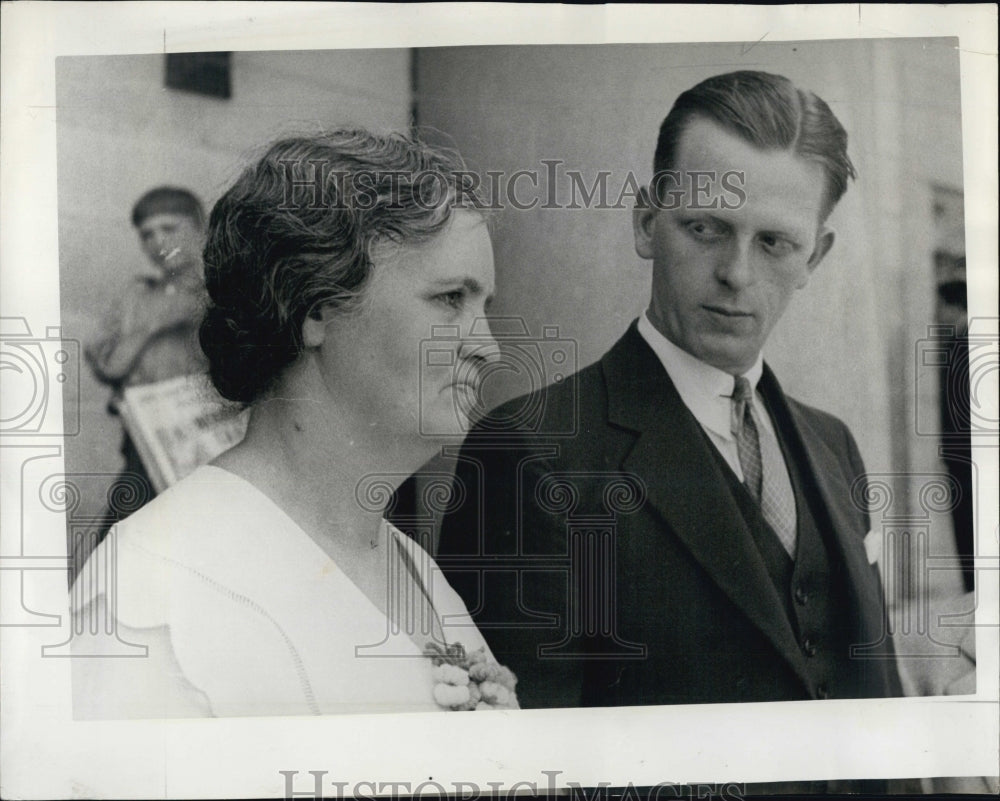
point(452, 299)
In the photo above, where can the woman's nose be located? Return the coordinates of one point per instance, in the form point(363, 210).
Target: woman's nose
point(479, 344)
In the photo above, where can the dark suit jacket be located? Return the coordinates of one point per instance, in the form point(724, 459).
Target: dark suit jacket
point(602, 553)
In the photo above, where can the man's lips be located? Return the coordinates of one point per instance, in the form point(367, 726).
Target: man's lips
point(167, 256)
point(725, 311)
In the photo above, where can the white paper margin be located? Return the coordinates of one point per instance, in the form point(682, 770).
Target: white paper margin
point(45, 754)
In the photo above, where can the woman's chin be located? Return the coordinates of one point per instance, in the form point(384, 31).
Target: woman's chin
point(447, 430)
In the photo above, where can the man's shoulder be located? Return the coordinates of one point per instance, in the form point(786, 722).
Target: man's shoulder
point(559, 425)
point(550, 409)
point(819, 426)
point(818, 419)
point(575, 404)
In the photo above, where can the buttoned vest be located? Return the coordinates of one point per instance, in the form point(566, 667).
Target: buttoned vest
point(812, 587)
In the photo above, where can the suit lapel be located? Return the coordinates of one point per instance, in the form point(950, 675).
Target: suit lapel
point(686, 487)
point(848, 535)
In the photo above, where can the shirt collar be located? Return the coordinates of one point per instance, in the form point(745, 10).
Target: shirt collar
point(704, 389)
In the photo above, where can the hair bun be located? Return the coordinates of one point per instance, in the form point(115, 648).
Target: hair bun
point(241, 367)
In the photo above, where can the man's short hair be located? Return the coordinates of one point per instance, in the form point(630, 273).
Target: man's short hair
point(168, 200)
point(769, 112)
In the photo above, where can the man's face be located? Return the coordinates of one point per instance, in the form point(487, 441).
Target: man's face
point(722, 277)
point(173, 242)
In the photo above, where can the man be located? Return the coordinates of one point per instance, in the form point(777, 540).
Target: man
point(666, 526)
point(150, 332)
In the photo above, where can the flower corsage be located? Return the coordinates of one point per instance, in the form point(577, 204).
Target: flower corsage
point(464, 682)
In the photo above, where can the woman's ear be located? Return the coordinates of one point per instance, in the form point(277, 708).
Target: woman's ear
point(314, 327)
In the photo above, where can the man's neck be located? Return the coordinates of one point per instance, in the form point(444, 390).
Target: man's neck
point(675, 358)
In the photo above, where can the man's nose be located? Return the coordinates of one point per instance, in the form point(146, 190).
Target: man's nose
point(734, 267)
point(158, 241)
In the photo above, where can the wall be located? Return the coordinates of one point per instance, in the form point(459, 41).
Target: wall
point(121, 132)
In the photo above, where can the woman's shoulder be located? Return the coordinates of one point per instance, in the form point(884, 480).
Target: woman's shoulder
point(191, 499)
point(236, 589)
point(190, 532)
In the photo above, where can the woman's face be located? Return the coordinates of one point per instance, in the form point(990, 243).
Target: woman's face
point(410, 361)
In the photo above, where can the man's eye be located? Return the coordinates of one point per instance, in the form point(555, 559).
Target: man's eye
point(776, 245)
point(704, 229)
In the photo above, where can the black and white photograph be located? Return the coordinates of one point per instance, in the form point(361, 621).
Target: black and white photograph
point(633, 388)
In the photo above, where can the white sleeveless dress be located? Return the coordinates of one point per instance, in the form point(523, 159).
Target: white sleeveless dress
point(211, 601)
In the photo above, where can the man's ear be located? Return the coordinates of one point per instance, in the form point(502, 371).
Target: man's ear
point(824, 241)
point(314, 327)
point(644, 224)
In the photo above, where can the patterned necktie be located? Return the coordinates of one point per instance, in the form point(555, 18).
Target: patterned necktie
point(764, 471)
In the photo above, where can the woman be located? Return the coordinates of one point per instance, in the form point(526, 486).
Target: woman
point(267, 583)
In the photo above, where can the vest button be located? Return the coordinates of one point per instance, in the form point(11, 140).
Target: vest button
point(801, 596)
point(809, 647)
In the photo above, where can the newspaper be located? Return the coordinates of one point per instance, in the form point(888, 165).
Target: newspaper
point(180, 424)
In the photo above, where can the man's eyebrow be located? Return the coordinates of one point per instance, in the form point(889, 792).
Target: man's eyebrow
point(785, 233)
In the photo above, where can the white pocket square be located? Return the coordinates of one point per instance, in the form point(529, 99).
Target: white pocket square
point(873, 546)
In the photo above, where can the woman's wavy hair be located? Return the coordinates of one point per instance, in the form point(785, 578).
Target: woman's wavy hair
point(296, 233)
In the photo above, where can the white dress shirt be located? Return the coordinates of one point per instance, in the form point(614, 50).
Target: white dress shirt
point(707, 393)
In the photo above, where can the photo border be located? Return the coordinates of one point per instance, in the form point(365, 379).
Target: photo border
point(46, 754)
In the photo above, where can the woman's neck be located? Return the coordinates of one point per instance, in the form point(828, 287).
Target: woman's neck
point(318, 471)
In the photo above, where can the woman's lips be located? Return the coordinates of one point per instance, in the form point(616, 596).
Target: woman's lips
point(466, 386)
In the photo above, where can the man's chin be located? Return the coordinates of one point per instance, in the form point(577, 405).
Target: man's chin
point(152, 275)
point(735, 361)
